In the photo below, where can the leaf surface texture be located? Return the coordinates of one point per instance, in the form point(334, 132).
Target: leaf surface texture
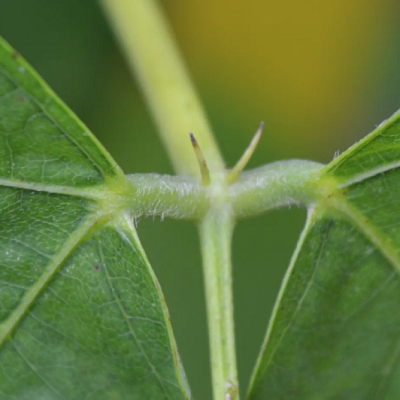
point(334, 333)
point(81, 313)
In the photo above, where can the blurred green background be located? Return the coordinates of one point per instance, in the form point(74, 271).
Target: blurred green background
point(321, 74)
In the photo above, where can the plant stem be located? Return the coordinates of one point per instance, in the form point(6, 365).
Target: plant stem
point(166, 196)
point(215, 234)
point(275, 185)
point(152, 53)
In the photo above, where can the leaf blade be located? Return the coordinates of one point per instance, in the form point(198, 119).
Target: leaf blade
point(81, 313)
point(25, 95)
point(341, 342)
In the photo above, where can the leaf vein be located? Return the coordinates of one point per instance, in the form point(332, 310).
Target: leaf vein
point(93, 194)
point(7, 327)
point(127, 319)
point(371, 233)
point(369, 174)
point(34, 369)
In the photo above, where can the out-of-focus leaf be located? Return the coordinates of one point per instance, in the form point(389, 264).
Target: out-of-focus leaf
point(335, 331)
point(81, 312)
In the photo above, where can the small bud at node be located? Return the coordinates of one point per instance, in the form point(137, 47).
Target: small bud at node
point(204, 172)
point(241, 164)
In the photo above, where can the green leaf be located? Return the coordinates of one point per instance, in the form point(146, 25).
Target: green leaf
point(81, 313)
point(335, 330)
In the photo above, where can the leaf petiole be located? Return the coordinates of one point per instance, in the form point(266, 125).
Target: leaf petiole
point(178, 197)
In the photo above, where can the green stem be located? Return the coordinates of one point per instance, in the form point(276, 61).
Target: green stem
point(152, 53)
point(258, 190)
point(273, 185)
point(215, 234)
point(270, 186)
point(166, 196)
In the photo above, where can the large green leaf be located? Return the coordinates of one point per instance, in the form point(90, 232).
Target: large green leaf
point(81, 313)
point(335, 330)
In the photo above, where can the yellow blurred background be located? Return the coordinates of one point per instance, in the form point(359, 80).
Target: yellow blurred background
point(321, 74)
point(306, 67)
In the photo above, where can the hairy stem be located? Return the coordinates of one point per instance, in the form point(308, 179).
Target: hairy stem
point(153, 55)
point(275, 185)
point(166, 196)
point(271, 186)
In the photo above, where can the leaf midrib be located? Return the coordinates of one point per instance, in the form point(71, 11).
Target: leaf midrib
point(371, 232)
point(346, 155)
point(374, 235)
point(370, 174)
point(7, 327)
point(91, 193)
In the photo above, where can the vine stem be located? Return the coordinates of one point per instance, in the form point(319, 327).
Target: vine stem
point(273, 185)
point(151, 52)
point(270, 186)
point(216, 235)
